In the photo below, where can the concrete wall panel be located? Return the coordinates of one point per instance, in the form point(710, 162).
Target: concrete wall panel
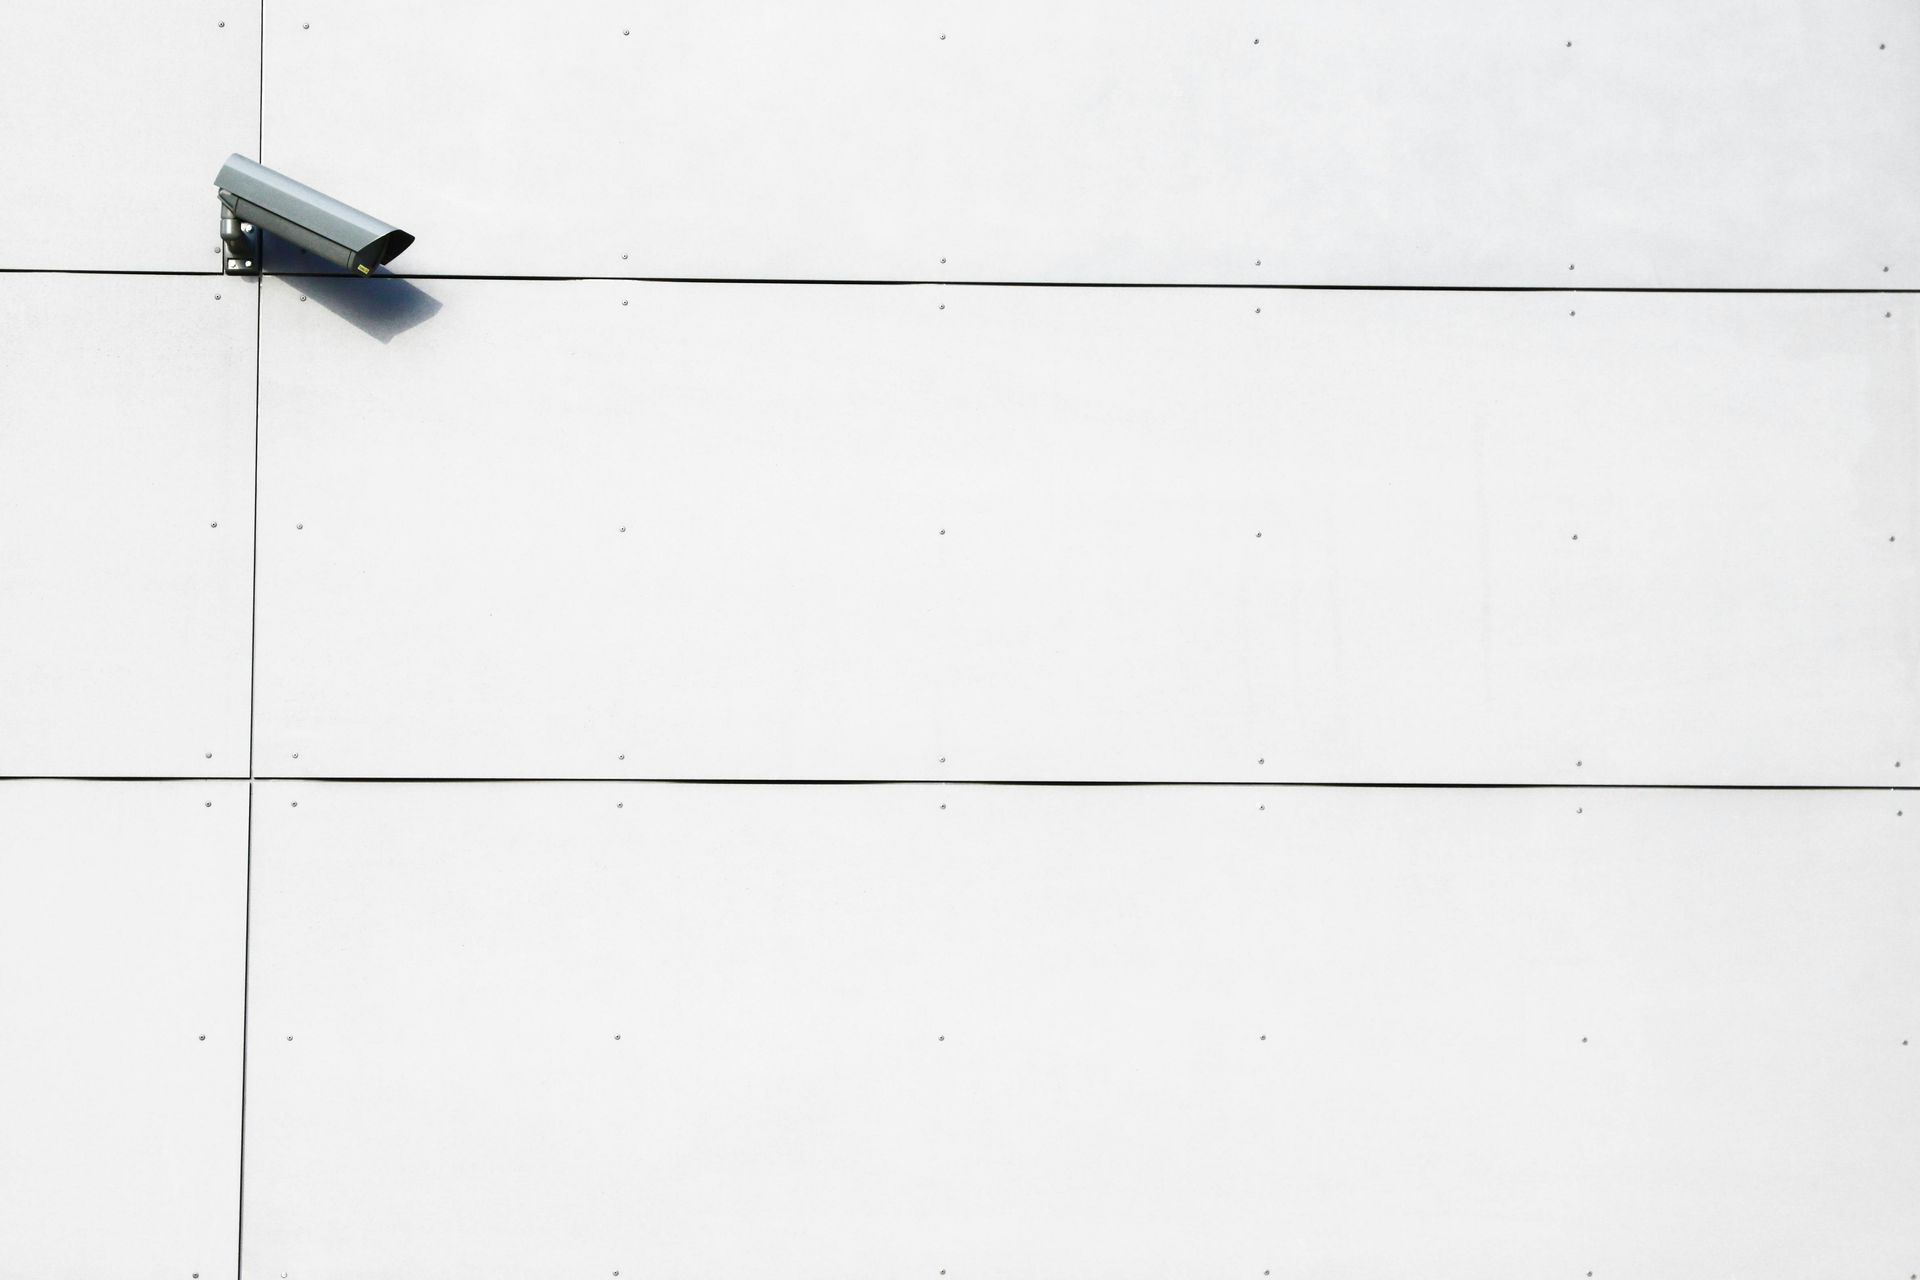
point(533, 1030)
point(122, 959)
point(114, 118)
point(761, 531)
point(126, 513)
point(1490, 142)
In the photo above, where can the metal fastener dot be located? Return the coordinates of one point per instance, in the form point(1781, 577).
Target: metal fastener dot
point(1256, 39)
point(943, 1037)
point(943, 35)
point(299, 526)
point(616, 1037)
point(224, 24)
point(209, 804)
point(296, 804)
point(943, 759)
point(289, 1037)
point(203, 1037)
point(216, 297)
point(209, 755)
point(305, 26)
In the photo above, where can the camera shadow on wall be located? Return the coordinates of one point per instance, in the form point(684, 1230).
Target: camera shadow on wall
point(382, 306)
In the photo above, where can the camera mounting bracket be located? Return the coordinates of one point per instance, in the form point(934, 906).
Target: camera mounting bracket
point(239, 241)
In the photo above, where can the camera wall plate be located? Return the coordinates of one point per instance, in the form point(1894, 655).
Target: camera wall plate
point(239, 243)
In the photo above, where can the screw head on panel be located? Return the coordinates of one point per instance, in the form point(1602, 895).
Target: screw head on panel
point(224, 24)
point(209, 755)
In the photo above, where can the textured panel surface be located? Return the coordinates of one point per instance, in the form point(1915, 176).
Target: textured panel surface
point(122, 918)
point(114, 118)
point(605, 529)
point(1508, 142)
point(126, 500)
point(557, 1030)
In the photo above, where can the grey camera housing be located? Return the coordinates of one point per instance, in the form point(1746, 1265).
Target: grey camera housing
point(253, 197)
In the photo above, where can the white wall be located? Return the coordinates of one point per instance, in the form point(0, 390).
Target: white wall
point(1597, 472)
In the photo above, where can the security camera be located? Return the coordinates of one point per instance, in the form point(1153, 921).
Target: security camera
point(253, 196)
